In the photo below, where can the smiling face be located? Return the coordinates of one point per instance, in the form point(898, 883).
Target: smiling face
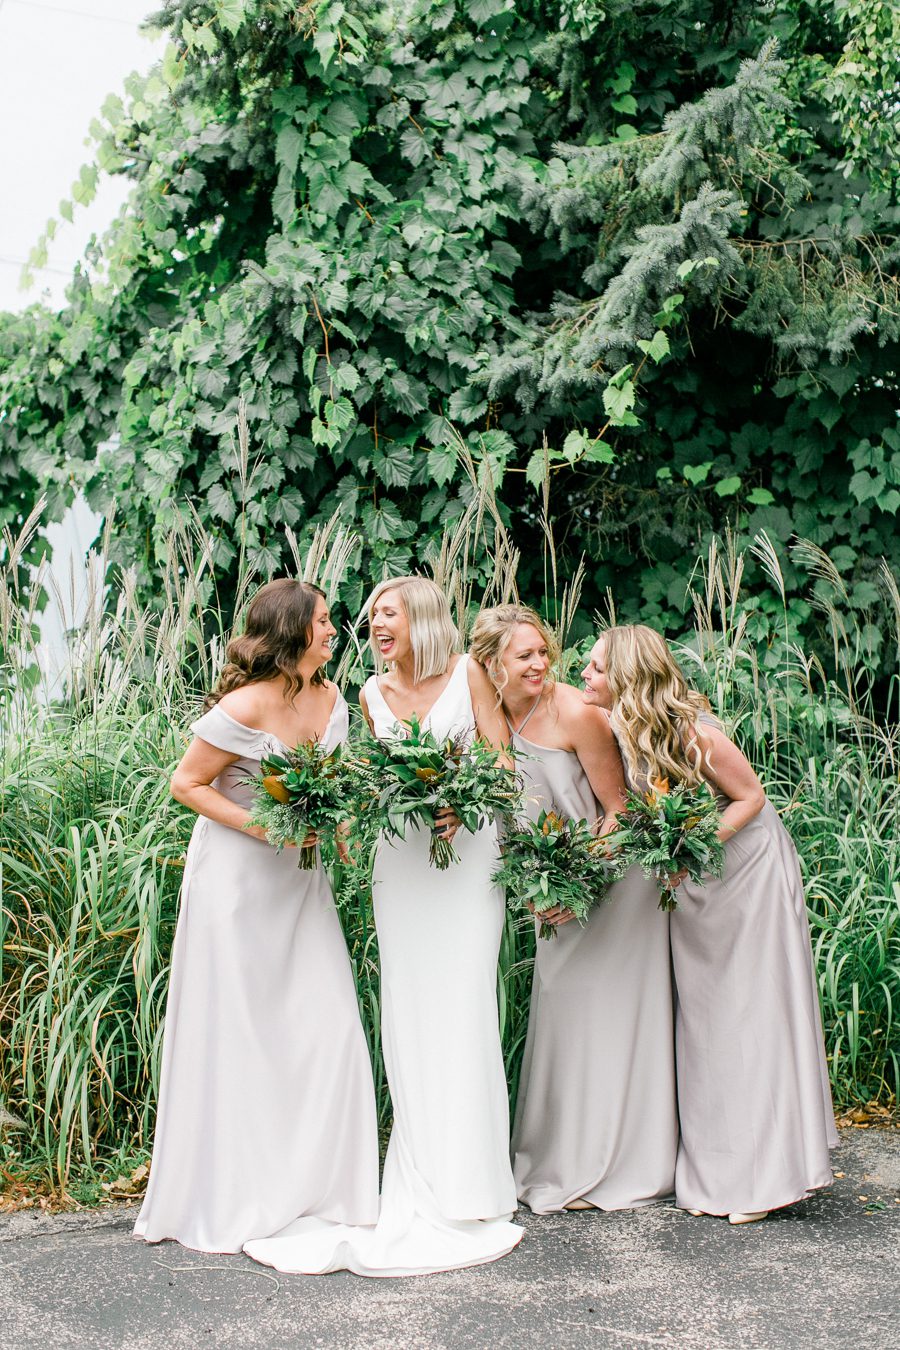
point(321, 631)
point(390, 627)
point(596, 688)
point(525, 662)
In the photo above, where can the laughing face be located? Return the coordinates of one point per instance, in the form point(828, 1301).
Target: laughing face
point(596, 689)
point(390, 627)
point(525, 662)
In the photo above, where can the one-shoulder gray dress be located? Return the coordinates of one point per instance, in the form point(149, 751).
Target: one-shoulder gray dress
point(753, 1094)
point(596, 1115)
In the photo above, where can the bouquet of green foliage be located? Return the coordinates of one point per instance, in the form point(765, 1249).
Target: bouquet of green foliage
point(551, 861)
point(306, 789)
point(413, 777)
point(668, 830)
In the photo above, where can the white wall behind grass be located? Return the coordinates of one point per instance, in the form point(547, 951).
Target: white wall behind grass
point(58, 61)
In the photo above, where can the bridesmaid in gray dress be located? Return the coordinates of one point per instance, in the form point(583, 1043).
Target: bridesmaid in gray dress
point(266, 1103)
point(596, 1122)
point(754, 1102)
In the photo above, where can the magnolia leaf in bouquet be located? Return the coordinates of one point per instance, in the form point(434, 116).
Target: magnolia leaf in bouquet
point(667, 830)
point(410, 778)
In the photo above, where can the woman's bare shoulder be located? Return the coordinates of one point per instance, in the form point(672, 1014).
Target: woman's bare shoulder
point(575, 714)
point(247, 704)
point(567, 697)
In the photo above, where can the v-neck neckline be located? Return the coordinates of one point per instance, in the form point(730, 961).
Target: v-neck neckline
point(517, 731)
point(404, 722)
point(553, 749)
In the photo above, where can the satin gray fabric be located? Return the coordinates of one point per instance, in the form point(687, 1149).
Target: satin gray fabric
point(596, 1114)
point(266, 1103)
point(754, 1099)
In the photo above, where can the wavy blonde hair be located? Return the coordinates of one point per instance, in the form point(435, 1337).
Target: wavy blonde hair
point(655, 711)
point(493, 632)
point(432, 632)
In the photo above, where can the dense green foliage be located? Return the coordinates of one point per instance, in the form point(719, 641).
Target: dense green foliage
point(632, 266)
point(93, 849)
point(523, 221)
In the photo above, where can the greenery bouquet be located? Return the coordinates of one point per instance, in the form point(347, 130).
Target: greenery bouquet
point(411, 778)
point(667, 830)
point(306, 790)
point(551, 861)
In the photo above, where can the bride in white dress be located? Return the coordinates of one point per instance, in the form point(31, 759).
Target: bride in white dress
point(448, 1192)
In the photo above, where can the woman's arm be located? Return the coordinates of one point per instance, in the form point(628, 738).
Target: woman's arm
point(192, 784)
point(598, 754)
point(729, 770)
point(365, 710)
point(490, 722)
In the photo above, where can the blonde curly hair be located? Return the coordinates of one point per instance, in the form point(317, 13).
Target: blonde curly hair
point(655, 711)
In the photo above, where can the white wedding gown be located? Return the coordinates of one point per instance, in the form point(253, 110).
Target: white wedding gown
point(448, 1192)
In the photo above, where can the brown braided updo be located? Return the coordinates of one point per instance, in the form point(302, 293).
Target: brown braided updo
point(277, 632)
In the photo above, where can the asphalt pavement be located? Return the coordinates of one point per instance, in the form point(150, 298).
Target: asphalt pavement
point(824, 1273)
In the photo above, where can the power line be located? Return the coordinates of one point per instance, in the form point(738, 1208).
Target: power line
point(77, 13)
point(20, 262)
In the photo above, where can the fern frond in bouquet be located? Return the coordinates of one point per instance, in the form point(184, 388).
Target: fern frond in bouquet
point(667, 830)
point(411, 778)
point(553, 861)
point(308, 789)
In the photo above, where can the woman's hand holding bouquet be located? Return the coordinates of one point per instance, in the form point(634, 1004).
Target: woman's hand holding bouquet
point(671, 833)
point(418, 778)
point(301, 799)
point(552, 863)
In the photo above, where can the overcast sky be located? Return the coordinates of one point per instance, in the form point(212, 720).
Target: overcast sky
point(58, 61)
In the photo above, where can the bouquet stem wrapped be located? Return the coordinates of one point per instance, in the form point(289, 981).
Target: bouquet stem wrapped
point(667, 830)
point(413, 778)
point(305, 791)
point(553, 862)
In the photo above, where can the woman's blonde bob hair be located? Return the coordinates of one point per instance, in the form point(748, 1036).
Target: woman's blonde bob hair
point(655, 711)
point(493, 632)
point(432, 632)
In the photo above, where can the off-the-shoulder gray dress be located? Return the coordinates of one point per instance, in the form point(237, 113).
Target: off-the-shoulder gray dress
point(596, 1115)
point(266, 1103)
point(754, 1100)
